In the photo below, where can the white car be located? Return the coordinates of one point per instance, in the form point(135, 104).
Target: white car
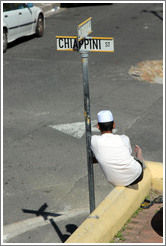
point(21, 19)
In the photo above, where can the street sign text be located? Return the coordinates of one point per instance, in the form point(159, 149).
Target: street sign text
point(84, 29)
point(93, 44)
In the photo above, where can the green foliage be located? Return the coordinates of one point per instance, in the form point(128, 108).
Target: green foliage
point(136, 212)
point(119, 236)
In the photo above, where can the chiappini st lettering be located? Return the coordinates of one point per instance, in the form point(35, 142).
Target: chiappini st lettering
point(74, 44)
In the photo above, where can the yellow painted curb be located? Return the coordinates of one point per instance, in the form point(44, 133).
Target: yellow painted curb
point(112, 213)
point(156, 169)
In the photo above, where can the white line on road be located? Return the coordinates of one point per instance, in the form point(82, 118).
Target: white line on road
point(15, 229)
point(76, 129)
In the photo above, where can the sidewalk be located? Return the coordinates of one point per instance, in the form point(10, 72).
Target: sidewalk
point(48, 8)
point(145, 227)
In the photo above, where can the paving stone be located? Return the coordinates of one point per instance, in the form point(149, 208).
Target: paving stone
point(140, 230)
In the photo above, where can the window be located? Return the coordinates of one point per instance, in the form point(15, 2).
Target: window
point(13, 6)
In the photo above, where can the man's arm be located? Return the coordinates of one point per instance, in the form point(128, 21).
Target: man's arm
point(126, 142)
point(93, 144)
point(94, 159)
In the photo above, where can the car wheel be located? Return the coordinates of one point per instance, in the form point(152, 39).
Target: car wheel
point(40, 26)
point(4, 40)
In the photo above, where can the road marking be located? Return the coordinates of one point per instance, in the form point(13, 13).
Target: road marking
point(76, 129)
point(15, 229)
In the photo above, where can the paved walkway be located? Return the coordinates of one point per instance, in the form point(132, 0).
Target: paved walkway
point(145, 227)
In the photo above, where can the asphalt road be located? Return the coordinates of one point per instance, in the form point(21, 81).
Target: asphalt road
point(43, 88)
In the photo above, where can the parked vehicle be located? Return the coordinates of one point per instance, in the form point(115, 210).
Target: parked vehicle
point(21, 19)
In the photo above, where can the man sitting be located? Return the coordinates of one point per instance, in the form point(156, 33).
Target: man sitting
point(113, 153)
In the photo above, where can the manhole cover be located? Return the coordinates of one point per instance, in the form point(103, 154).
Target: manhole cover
point(150, 71)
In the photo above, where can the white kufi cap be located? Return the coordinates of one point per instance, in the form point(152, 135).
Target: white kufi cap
point(104, 116)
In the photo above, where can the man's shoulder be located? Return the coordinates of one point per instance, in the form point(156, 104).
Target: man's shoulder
point(94, 141)
point(94, 137)
point(125, 139)
point(124, 136)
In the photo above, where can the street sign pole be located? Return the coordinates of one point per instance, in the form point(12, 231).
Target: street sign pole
point(85, 44)
point(84, 56)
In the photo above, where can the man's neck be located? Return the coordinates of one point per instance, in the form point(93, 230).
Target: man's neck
point(106, 132)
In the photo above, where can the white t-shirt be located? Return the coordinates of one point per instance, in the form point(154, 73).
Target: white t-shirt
point(113, 153)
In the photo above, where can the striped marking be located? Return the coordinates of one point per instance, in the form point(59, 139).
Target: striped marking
point(76, 129)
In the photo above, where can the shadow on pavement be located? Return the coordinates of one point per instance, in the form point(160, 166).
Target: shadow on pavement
point(156, 13)
point(70, 228)
point(41, 212)
point(20, 41)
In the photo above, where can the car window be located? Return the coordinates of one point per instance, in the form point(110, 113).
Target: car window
point(13, 6)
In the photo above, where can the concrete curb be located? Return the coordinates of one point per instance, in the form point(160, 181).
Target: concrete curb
point(156, 169)
point(111, 214)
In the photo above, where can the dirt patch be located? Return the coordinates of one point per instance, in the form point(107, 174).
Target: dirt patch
point(150, 71)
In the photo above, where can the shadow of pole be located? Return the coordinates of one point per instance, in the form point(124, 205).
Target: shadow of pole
point(69, 228)
point(40, 212)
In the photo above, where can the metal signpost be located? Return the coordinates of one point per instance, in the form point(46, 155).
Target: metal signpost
point(84, 29)
point(84, 45)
